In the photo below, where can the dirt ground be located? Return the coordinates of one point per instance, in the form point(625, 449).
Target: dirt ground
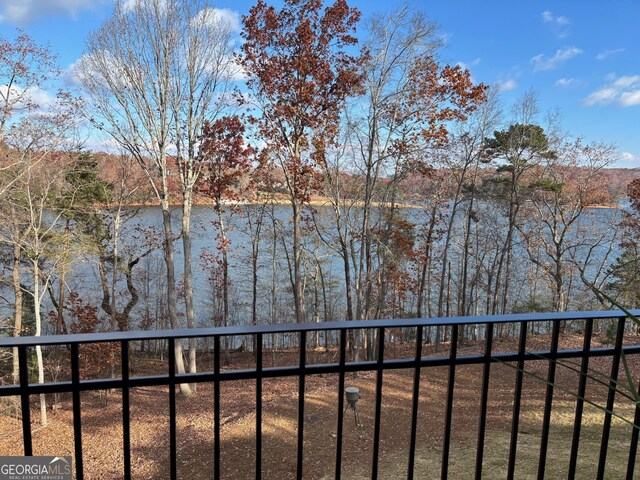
point(102, 425)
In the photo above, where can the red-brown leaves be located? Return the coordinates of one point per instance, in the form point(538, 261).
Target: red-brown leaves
point(23, 66)
point(299, 69)
point(96, 359)
point(633, 190)
point(225, 158)
point(439, 95)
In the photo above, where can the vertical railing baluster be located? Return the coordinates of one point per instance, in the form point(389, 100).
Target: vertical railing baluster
point(449, 413)
point(548, 401)
point(173, 449)
point(415, 404)
point(484, 400)
point(258, 406)
point(343, 355)
point(301, 387)
point(126, 414)
point(517, 398)
point(633, 445)
point(77, 415)
point(606, 428)
point(216, 407)
point(25, 405)
point(582, 388)
point(376, 431)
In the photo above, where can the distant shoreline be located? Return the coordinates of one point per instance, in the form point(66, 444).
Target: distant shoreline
point(317, 202)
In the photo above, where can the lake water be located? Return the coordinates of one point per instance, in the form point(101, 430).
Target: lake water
point(149, 273)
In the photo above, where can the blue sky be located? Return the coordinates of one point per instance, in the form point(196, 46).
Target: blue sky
point(581, 57)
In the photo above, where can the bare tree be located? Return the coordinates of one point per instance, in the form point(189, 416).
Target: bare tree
point(154, 72)
point(463, 159)
point(203, 70)
point(37, 142)
point(25, 67)
point(555, 215)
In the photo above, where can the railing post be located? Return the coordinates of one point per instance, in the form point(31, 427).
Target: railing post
point(343, 354)
point(449, 412)
point(301, 388)
point(582, 388)
point(415, 403)
point(484, 399)
point(548, 402)
point(126, 413)
point(376, 426)
point(77, 410)
point(633, 446)
point(173, 450)
point(517, 398)
point(216, 407)
point(25, 405)
point(611, 396)
point(258, 406)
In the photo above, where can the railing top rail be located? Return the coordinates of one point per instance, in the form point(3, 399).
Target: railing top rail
point(292, 327)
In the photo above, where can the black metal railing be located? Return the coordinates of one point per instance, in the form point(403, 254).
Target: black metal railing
point(26, 389)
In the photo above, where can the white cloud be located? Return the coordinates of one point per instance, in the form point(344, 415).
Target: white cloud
point(559, 24)
point(542, 62)
point(608, 53)
point(70, 75)
point(548, 17)
point(445, 38)
point(129, 5)
point(41, 98)
point(215, 16)
point(628, 99)
point(237, 73)
point(623, 91)
point(24, 11)
point(473, 63)
point(627, 81)
point(566, 82)
point(103, 70)
point(96, 143)
point(144, 5)
point(605, 95)
point(35, 98)
point(628, 160)
point(507, 85)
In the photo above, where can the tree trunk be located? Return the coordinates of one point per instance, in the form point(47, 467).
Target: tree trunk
point(427, 260)
point(188, 281)
point(38, 320)
point(274, 269)
point(463, 302)
point(255, 252)
point(297, 262)
point(17, 319)
point(171, 288)
point(114, 274)
point(225, 279)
